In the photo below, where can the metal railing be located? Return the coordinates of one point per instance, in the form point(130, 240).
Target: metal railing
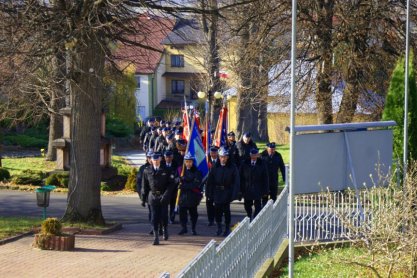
point(325, 216)
point(244, 251)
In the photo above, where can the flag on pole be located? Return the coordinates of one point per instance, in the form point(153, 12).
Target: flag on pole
point(220, 135)
point(196, 149)
point(186, 121)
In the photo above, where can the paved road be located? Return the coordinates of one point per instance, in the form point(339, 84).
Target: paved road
point(126, 253)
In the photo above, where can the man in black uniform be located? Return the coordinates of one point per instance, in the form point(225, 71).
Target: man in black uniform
point(139, 178)
point(231, 147)
point(148, 137)
point(146, 129)
point(244, 146)
point(274, 163)
point(253, 182)
point(172, 166)
point(213, 162)
point(223, 186)
point(157, 186)
point(190, 194)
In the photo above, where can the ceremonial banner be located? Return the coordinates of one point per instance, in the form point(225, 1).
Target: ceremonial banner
point(195, 147)
point(220, 135)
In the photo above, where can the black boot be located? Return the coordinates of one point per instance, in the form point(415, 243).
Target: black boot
point(183, 230)
point(161, 232)
point(226, 230)
point(151, 232)
point(219, 229)
point(211, 223)
point(193, 230)
point(156, 238)
point(166, 236)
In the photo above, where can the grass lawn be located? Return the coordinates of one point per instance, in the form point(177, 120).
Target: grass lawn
point(17, 165)
point(328, 263)
point(11, 226)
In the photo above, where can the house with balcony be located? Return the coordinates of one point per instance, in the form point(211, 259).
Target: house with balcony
point(181, 69)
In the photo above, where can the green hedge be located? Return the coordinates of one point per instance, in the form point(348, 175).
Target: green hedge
point(58, 179)
point(131, 180)
point(4, 174)
point(118, 128)
point(24, 141)
point(29, 177)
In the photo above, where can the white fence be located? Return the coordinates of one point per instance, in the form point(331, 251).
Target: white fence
point(318, 216)
point(244, 251)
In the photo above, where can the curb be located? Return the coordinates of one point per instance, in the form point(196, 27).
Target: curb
point(14, 238)
point(111, 229)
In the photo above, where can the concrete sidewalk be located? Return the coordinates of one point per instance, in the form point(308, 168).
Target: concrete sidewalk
point(126, 253)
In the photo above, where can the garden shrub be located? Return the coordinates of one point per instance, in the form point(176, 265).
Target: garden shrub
point(118, 128)
point(105, 187)
point(29, 176)
point(25, 141)
point(4, 174)
point(51, 226)
point(131, 180)
point(58, 179)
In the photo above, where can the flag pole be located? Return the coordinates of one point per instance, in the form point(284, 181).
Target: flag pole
point(183, 168)
point(407, 51)
point(292, 134)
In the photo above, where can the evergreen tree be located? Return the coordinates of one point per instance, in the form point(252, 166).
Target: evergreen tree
point(394, 108)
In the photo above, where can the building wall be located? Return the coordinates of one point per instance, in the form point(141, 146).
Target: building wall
point(277, 122)
point(193, 61)
point(143, 100)
point(160, 83)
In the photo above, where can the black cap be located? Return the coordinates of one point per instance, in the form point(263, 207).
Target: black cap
point(254, 151)
point(168, 153)
point(170, 136)
point(182, 142)
point(153, 128)
point(247, 134)
point(162, 122)
point(231, 133)
point(156, 156)
point(149, 154)
point(214, 149)
point(271, 145)
point(165, 129)
point(178, 132)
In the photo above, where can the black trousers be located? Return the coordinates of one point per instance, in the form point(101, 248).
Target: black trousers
point(273, 193)
point(223, 209)
point(172, 204)
point(184, 216)
point(248, 207)
point(159, 215)
point(211, 212)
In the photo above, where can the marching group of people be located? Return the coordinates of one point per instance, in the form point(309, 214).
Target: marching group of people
point(170, 179)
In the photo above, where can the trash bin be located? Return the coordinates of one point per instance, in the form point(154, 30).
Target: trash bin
point(42, 197)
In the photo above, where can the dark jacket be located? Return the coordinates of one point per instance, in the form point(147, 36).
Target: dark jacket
point(244, 149)
point(274, 164)
point(233, 153)
point(254, 182)
point(139, 177)
point(157, 186)
point(143, 132)
point(223, 183)
point(190, 188)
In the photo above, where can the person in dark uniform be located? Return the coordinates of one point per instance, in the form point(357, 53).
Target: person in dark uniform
point(244, 146)
point(223, 186)
point(157, 186)
point(274, 163)
point(190, 194)
point(181, 145)
point(146, 130)
point(231, 146)
point(172, 166)
point(147, 139)
point(139, 178)
point(253, 183)
point(213, 161)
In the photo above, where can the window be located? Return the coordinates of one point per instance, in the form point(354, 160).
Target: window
point(137, 81)
point(177, 61)
point(177, 86)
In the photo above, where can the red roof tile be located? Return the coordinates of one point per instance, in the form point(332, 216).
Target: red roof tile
point(152, 30)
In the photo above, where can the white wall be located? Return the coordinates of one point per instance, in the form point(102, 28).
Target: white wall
point(142, 96)
point(161, 92)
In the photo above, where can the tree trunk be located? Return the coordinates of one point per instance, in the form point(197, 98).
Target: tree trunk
point(84, 203)
point(324, 70)
point(55, 129)
point(355, 74)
